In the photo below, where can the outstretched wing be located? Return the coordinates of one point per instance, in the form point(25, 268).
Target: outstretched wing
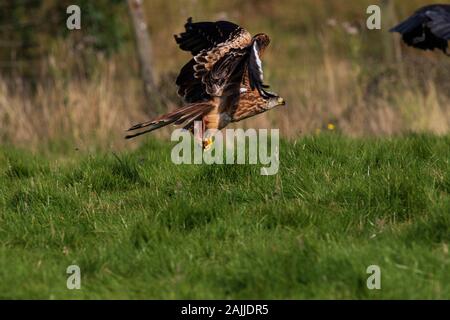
point(215, 45)
point(190, 88)
point(440, 22)
point(223, 54)
point(206, 35)
point(427, 29)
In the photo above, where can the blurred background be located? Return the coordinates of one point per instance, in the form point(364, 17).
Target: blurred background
point(82, 88)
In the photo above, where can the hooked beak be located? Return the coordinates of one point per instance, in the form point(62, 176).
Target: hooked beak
point(281, 101)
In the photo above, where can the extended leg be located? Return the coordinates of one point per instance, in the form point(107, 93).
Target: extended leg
point(207, 139)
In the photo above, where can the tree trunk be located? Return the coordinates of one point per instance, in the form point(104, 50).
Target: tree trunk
point(144, 53)
point(391, 45)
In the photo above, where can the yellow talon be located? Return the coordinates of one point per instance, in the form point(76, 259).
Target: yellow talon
point(207, 143)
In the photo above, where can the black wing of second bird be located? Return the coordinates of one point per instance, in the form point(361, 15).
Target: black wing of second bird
point(427, 29)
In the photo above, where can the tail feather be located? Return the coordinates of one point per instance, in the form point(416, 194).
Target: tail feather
point(187, 114)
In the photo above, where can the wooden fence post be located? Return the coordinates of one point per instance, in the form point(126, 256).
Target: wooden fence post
point(144, 53)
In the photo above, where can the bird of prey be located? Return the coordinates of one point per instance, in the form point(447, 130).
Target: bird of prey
point(428, 28)
point(222, 83)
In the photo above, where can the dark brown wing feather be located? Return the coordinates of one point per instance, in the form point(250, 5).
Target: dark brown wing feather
point(231, 93)
point(192, 89)
point(210, 42)
point(200, 36)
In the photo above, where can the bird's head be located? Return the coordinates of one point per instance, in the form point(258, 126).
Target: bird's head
point(275, 102)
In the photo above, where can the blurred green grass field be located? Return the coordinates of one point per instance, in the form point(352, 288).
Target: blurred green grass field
point(141, 227)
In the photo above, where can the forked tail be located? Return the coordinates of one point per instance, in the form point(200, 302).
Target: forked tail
point(185, 115)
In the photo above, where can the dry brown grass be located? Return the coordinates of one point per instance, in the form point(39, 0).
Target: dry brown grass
point(365, 84)
point(85, 113)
